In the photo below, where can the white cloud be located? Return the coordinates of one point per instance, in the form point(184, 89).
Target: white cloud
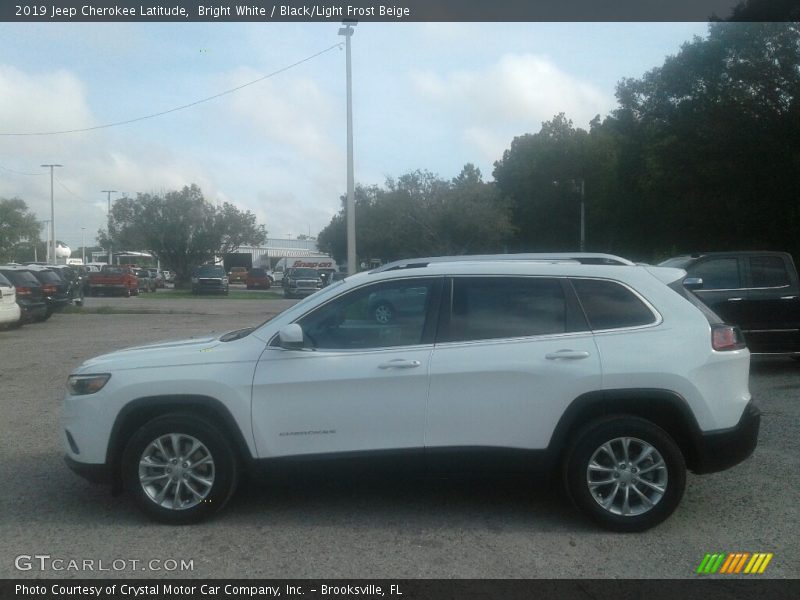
point(290, 112)
point(509, 97)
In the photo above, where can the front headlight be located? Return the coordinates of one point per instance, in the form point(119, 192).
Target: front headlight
point(80, 385)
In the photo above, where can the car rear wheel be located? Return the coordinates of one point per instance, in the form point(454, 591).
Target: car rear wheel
point(625, 473)
point(383, 313)
point(180, 468)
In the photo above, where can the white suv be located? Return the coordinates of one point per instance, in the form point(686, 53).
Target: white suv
point(610, 375)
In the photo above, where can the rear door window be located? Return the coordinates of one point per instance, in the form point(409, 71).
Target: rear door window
point(768, 271)
point(484, 308)
point(609, 305)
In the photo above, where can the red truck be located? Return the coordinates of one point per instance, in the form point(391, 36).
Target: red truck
point(114, 280)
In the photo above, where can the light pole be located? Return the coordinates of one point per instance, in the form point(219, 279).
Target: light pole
point(583, 214)
point(347, 32)
point(83, 244)
point(52, 218)
point(109, 192)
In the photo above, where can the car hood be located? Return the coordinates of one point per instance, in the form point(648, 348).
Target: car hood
point(198, 350)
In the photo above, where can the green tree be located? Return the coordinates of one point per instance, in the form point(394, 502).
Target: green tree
point(711, 141)
point(539, 175)
point(18, 226)
point(420, 214)
point(180, 228)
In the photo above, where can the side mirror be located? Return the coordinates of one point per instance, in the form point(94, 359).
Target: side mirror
point(693, 283)
point(291, 337)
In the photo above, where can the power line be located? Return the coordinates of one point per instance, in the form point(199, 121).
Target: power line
point(59, 182)
point(177, 108)
point(21, 172)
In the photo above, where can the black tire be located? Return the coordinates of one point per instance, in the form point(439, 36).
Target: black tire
point(383, 313)
point(47, 314)
point(589, 441)
point(224, 473)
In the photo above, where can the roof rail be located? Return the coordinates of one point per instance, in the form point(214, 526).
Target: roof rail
point(584, 258)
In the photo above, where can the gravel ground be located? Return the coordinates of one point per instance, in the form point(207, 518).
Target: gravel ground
point(361, 529)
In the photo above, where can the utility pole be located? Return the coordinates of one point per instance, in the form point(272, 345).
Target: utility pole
point(110, 254)
point(52, 218)
point(83, 244)
point(347, 32)
point(583, 215)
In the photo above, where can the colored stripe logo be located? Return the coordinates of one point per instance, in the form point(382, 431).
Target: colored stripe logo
point(734, 563)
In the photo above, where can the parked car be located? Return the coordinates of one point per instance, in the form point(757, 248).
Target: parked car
point(114, 280)
point(237, 275)
point(258, 278)
point(146, 281)
point(209, 279)
point(73, 277)
point(613, 377)
point(169, 276)
point(301, 282)
point(10, 312)
point(758, 291)
point(30, 298)
point(158, 277)
point(54, 288)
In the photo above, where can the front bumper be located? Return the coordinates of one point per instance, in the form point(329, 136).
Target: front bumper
point(96, 473)
point(32, 310)
point(724, 448)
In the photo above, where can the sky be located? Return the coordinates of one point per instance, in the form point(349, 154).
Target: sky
point(430, 96)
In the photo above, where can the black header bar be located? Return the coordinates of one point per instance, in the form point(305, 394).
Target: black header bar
point(375, 10)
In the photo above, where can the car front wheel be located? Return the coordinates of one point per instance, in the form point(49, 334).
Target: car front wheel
point(625, 473)
point(181, 469)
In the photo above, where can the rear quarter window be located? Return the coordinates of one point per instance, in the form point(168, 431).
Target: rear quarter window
point(609, 305)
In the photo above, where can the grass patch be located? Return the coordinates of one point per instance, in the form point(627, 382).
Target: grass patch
point(232, 295)
point(124, 310)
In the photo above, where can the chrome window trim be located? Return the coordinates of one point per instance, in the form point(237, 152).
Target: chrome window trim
point(775, 287)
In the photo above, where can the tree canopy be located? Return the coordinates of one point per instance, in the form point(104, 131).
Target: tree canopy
point(17, 225)
point(703, 153)
point(181, 228)
point(420, 214)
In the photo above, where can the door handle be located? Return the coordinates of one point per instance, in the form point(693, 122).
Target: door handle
point(788, 297)
point(567, 355)
point(734, 299)
point(400, 363)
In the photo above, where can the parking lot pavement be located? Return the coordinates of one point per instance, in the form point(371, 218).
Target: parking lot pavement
point(308, 527)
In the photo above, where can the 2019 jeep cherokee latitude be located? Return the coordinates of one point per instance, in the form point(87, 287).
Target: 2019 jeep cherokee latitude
point(602, 373)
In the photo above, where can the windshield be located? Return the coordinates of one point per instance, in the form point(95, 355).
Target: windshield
point(210, 272)
point(48, 277)
point(312, 273)
point(25, 278)
point(679, 262)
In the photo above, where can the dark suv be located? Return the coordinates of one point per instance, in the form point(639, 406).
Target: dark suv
point(209, 278)
point(30, 297)
point(758, 291)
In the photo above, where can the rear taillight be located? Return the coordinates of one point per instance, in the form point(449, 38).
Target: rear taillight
point(24, 291)
point(49, 288)
point(726, 337)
